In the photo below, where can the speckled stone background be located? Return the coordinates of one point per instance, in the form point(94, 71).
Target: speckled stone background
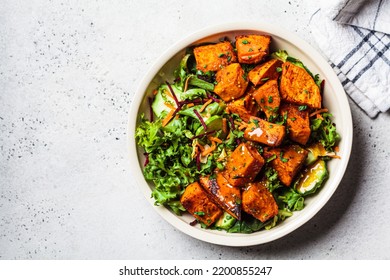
point(68, 73)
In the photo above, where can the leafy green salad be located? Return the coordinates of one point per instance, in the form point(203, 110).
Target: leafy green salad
point(194, 128)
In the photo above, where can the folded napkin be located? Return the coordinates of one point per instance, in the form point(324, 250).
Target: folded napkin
point(354, 36)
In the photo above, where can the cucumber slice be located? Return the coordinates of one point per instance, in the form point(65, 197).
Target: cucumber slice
point(311, 158)
point(226, 221)
point(212, 123)
point(315, 151)
point(312, 178)
point(161, 99)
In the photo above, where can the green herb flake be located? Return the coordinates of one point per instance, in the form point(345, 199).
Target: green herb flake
point(302, 107)
point(245, 42)
point(264, 79)
point(270, 99)
point(282, 158)
point(271, 158)
point(199, 213)
point(278, 69)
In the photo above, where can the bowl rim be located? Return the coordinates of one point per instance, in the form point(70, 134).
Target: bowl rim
point(237, 240)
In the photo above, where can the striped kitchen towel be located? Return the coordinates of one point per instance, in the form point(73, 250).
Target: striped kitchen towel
point(355, 37)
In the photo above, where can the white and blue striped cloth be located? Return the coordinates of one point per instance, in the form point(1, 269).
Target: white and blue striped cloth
point(355, 36)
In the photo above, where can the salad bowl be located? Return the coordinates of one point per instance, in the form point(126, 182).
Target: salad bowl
point(334, 99)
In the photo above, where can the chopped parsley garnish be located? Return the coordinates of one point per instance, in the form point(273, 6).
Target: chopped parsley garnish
point(302, 107)
point(282, 158)
point(271, 158)
point(256, 122)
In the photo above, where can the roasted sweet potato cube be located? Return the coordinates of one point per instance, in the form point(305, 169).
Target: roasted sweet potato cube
point(214, 56)
point(225, 195)
point(297, 86)
point(287, 161)
point(243, 165)
point(231, 83)
point(268, 98)
point(196, 201)
point(298, 123)
point(264, 72)
point(264, 132)
point(251, 49)
point(245, 107)
point(259, 202)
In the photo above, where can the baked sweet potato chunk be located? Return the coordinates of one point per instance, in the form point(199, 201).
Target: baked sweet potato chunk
point(243, 165)
point(231, 83)
point(264, 132)
point(287, 161)
point(228, 197)
point(268, 98)
point(245, 107)
point(297, 86)
point(214, 56)
point(298, 123)
point(251, 49)
point(196, 201)
point(259, 202)
point(264, 72)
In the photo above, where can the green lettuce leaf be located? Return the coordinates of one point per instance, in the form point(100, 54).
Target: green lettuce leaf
point(324, 131)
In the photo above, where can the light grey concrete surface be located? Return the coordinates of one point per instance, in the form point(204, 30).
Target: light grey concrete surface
point(68, 73)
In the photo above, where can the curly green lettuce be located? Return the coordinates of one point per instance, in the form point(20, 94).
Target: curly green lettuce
point(169, 163)
point(323, 130)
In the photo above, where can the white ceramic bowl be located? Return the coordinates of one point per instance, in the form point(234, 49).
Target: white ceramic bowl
point(334, 99)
